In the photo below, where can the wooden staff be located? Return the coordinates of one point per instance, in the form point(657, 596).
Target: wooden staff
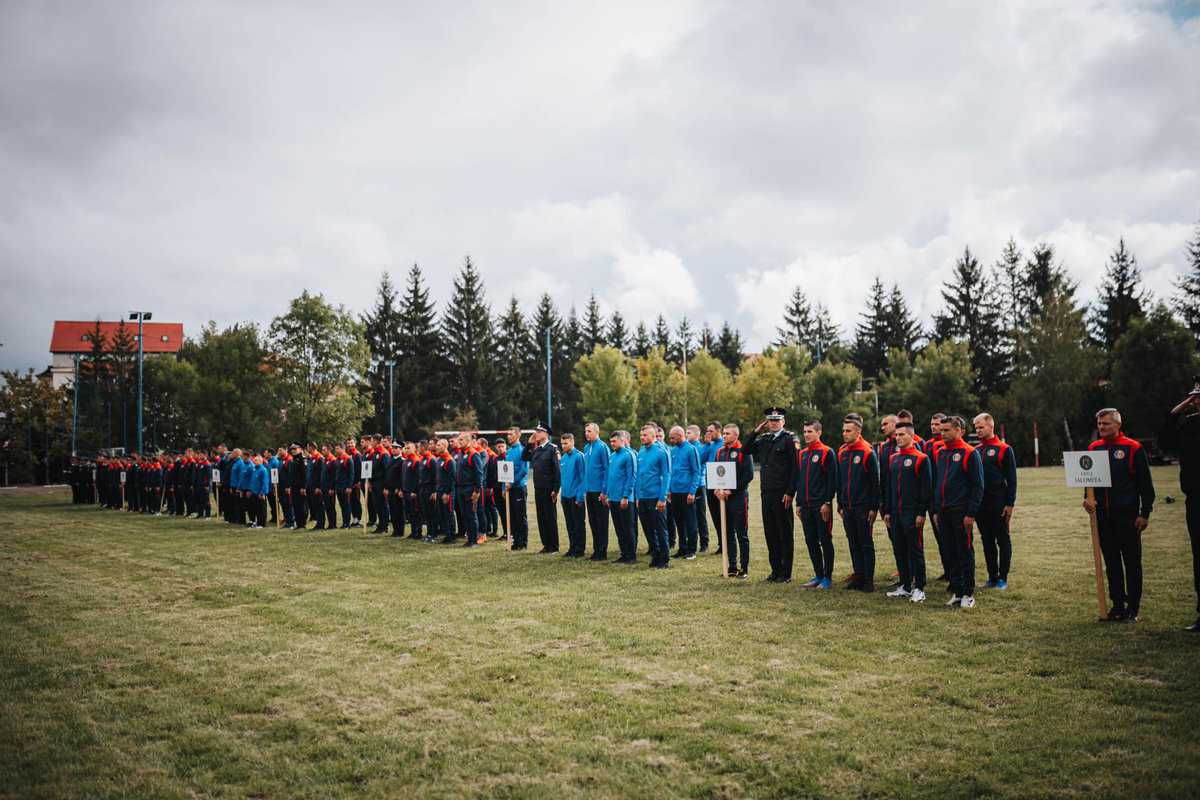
point(724, 539)
point(278, 519)
point(1101, 601)
point(365, 494)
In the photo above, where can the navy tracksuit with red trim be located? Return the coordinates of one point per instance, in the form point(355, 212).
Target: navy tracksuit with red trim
point(447, 483)
point(907, 491)
point(999, 492)
point(737, 507)
point(1131, 496)
point(858, 498)
point(816, 485)
point(957, 494)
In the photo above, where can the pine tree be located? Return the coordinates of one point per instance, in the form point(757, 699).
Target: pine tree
point(546, 318)
point(1186, 301)
point(593, 326)
point(871, 335)
point(728, 348)
point(467, 333)
point(641, 345)
point(565, 390)
point(682, 348)
point(970, 312)
point(797, 321)
point(1042, 278)
point(421, 367)
point(1008, 276)
point(515, 360)
point(1121, 298)
point(826, 335)
point(617, 336)
point(382, 329)
point(903, 330)
point(661, 337)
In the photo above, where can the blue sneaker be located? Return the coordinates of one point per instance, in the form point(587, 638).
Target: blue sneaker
point(991, 584)
point(826, 583)
point(1002, 585)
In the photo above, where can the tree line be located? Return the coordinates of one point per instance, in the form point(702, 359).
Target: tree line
point(1010, 336)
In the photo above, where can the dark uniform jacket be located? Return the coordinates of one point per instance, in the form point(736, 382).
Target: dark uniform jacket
point(858, 478)
point(908, 483)
point(737, 454)
point(543, 462)
point(817, 475)
point(958, 481)
point(1132, 489)
point(999, 474)
point(777, 455)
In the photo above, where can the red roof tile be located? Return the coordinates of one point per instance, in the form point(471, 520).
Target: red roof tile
point(70, 336)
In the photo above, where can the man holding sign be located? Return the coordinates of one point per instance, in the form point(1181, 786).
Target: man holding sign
point(737, 501)
point(1122, 514)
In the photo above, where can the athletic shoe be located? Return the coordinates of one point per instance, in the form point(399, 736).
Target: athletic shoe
point(598, 557)
point(826, 583)
point(678, 554)
point(991, 584)
point(851, 578)
point(867, 586)
point(690, 557)
point(1129, 618)
point(954, 601)
point(812, 583)
point(743, 574)
point(1194, 627)
point(1001, 585)
point(918, 596)
point(850, 587)
point(703, 548)
point(968, 601)
point(481, 540)
point(899, 592)
point(470, 543)
point(662, 565)
point(942, 577)
point(1114, 616)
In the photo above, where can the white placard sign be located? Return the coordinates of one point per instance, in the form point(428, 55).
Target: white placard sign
point(274, 474)
point(504, 471)
point(216, 478)
point(122, 476)
point(367, 466)
point(1087, 469)
point(721, 475)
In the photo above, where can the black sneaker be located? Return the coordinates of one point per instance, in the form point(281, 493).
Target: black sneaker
point(470, 543)
point(1194, 627)
point(599, 557)
point(1114, 615)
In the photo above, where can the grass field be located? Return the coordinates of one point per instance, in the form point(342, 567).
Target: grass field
point(147, 657)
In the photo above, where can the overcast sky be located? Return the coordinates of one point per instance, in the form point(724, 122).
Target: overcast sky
point(210, 160)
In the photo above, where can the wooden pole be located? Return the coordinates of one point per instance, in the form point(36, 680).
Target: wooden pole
point(508, 515)
point(365, 495)
point(217, 495)
point(278, 520)
point(724, 540)
point(1101, 601)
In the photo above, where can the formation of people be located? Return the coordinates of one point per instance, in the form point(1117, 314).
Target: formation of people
point(454, 490)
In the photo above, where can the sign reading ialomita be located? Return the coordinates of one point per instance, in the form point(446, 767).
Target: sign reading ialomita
point(367, 468)
point(1087, 468)
point(721, 475)
point(504, 471)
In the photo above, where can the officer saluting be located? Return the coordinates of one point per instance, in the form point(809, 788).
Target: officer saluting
point(776, 451)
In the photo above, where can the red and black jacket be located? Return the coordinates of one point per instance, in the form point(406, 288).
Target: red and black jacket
point(816, 475)
point(858, 478)
point(999, 474)
point(958, 482)
point(908, 483)
point(1132, 489)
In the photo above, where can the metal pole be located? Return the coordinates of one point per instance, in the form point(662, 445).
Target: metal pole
point(685, 384)
point(392, 400)
point(549, 396)
point(75, 407)
point(141, 314)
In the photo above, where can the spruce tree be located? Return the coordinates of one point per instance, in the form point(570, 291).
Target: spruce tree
point(825, 336)
point(516, 356)
point(683, 347)
point(662, 336)
point(1121, 298)
point(903, 330)
point(641, 345)
point(970, 312)
point(1186, 301)
point(617, 336)
point(381, 326)
point(467, 333)
point(421, 366)
point(1008, 277)
point(797, 321)
point(545, 318)
point(593, 326)
point(871, 334)
point(728, 348)
point(1042, 278)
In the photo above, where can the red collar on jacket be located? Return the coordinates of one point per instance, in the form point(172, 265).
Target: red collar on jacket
point(861, 446)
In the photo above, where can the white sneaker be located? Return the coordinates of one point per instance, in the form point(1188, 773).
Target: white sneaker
point(968, 602)
point(918, 596)
point(954, 601)
point(899, 591)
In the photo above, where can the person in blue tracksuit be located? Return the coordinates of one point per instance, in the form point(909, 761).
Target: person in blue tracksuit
point(708, 452)
point(693, 438)
point(907, 488)
point(258, 486)
point(518, 526)
point(957, 496)
point(447, 484)
point(273, 462)
point(619, 485)
point(572, 495)
point(236, 504)
point(653, 483)
point(595, 476)
point(685, 485)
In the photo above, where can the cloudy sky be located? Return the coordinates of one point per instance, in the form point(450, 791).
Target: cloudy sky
point(209, 160)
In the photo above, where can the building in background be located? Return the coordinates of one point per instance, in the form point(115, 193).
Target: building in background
point(70, 339)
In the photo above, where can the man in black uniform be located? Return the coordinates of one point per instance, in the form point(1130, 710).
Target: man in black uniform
point(1182, 434)
point(776, 451)
point(542, 456)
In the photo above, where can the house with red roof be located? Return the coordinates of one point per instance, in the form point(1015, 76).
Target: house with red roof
point(71, 339)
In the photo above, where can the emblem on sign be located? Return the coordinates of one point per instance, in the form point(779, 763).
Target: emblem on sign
point(1119, 454)
point(1085, 462)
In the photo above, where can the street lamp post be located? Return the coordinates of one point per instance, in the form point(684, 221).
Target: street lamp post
point(75, 407)
point(549, 393)
point(392, 400)
point(141, 317)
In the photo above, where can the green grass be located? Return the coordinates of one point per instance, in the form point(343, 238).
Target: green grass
point(156, 658)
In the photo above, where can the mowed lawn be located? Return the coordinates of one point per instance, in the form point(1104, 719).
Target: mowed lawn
point(145, 657)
